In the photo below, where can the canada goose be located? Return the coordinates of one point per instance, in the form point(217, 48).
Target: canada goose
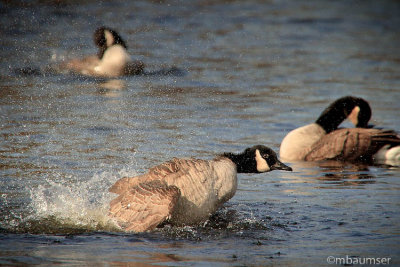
point(357, 144)
point(298, 142)
point(112, 59)
point(185, 191)
point(349, 144)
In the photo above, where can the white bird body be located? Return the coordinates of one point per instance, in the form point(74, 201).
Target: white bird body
point(113, 59)
point(113, 62)
point(298, 142)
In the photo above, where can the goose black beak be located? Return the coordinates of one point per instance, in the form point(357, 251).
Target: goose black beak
point(280, 166)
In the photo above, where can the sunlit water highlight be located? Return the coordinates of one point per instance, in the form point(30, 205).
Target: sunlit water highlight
point(248, 73)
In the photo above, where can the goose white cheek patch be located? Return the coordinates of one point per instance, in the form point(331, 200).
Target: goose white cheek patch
point(109, 38)
point(353, 117)
point(262, 165)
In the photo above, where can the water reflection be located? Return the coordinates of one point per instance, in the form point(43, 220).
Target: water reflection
point(114, 84)
point(255, 70)
point(333, 173)
point(345, 173)
point(166, 254)
point(136, 258)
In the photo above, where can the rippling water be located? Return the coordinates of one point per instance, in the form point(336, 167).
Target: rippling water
point(250, 71)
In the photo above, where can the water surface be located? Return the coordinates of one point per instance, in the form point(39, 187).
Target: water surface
point(251, 72)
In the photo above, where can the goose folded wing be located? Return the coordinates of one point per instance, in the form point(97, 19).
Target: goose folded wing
point(355, 144)
point(124, 184)
point(169, 171)
point(144, 206)
point(156, 173)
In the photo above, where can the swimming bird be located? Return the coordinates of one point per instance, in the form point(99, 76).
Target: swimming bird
point(358, 145)
point(323, 141)
point(112, 59)
point(185, 191)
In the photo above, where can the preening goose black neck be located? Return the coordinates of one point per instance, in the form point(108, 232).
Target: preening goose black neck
point(298, 142)
point(104, 38)
point(256, 159)
point(356, 108)
point(323, 141)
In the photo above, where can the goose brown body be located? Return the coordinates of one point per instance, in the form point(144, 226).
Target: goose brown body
point(184, 191)
point(196, 187)
point(352, 144)
point(297, 143)
point(112, 59)
point(323, 140)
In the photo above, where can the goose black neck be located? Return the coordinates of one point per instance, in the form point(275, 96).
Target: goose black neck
point(331, 120)
point(101, 52)
point(244, 163)
point(336, 113)
point(101, 41)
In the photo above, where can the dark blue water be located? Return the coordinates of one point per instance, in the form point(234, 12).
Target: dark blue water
point(250, 71)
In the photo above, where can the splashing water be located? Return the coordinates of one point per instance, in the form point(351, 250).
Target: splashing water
point(61, 208)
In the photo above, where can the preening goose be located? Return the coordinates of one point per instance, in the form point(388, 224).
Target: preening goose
point(299, 142)
point(357, 145)
point(112, 59)
point(185, 191)
point(348, 144)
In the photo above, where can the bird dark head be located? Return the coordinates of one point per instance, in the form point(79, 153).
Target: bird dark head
point(257, 159)
point(364, 115)
point(105, 37)
point(267, 160)
point(356, 109)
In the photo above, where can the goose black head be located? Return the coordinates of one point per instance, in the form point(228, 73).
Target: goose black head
point(364, 115)
point(257, 159)
point(104, 38)
point(356, 109)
